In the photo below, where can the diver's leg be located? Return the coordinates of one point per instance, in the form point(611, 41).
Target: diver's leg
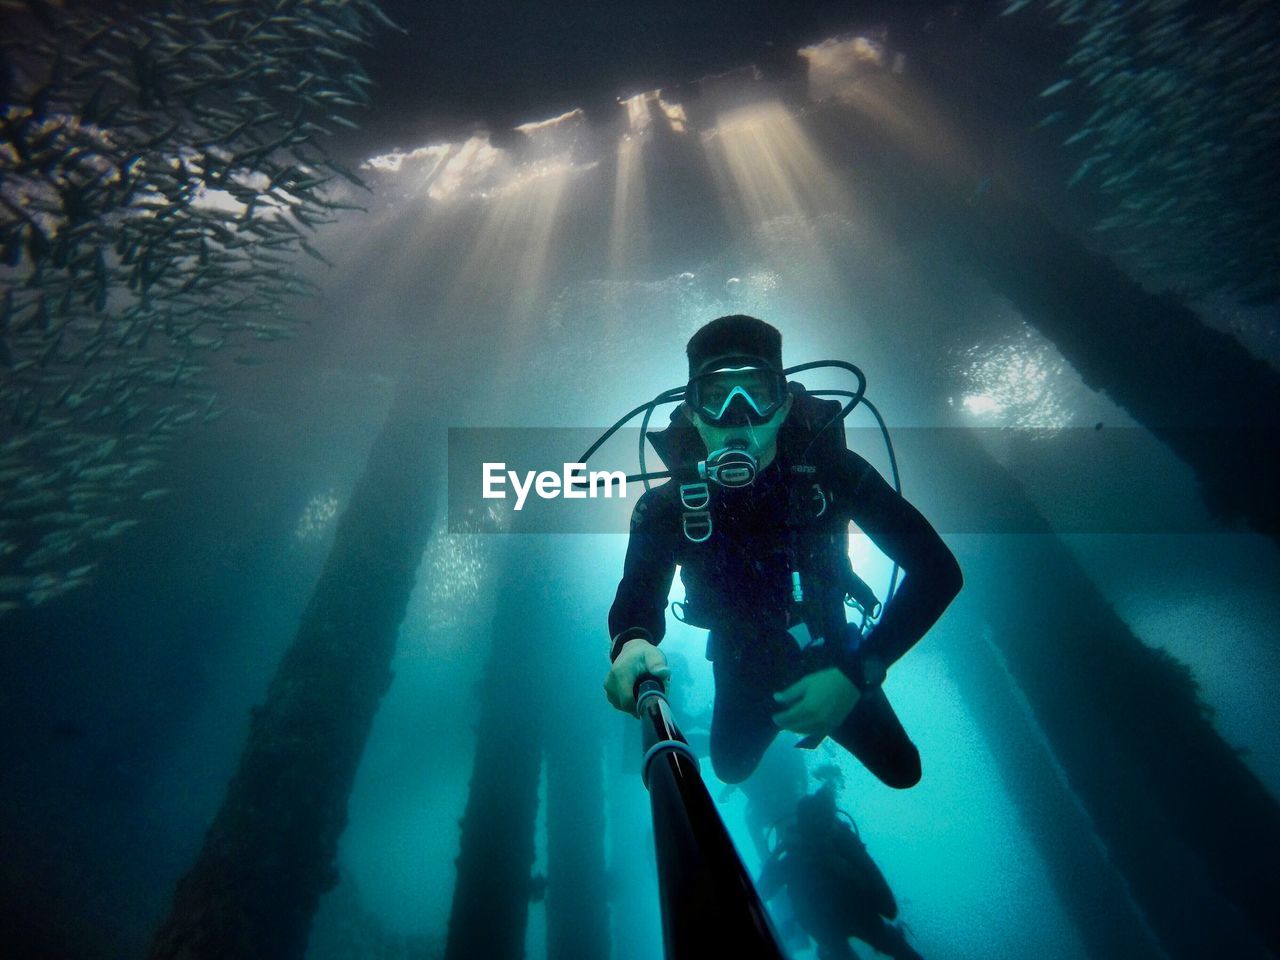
point(748, 671)
point(790, 929)
point(742, 726)
point(873, 733)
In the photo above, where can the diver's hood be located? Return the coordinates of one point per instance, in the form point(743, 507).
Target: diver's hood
point(680, 446)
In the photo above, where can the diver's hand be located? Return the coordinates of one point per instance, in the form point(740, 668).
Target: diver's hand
point(817, 703)
point(638, 656)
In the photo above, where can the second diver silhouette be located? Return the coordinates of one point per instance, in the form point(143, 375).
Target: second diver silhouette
point(836, 889)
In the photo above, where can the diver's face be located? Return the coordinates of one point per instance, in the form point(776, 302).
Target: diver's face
point(760, 440)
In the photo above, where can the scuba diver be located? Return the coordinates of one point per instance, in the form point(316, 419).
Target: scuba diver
point(757, 515)
point(836, 889)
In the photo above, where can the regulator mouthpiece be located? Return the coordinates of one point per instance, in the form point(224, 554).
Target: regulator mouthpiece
point(731, 467)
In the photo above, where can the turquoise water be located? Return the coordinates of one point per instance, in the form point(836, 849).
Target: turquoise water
point(552, 282)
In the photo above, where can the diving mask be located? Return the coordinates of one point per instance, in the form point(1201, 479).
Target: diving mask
point(737, 395)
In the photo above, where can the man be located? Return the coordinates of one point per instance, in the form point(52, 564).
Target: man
point(762, 565)
point(836, 889)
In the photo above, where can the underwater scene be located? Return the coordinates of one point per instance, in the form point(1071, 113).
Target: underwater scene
point(586, 481)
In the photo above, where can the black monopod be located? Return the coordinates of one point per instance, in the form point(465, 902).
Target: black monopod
point(709, 905)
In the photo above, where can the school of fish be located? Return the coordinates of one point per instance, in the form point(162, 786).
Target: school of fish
point(1175, 110)
point(160, 176)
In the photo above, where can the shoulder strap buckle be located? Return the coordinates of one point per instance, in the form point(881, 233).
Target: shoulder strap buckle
point(694, 496)
point(697, 525)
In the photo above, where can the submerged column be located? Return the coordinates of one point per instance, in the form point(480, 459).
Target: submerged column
point(1090, 887)
point(1193, 831)
point(490, 913)
point(577, 885)
point(1191, 827)
point(1197, 389)
point(1216, 406)
point(271, 850)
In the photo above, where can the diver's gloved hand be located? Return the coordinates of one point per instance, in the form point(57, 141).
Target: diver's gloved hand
point(637, 656)
point(817, 703)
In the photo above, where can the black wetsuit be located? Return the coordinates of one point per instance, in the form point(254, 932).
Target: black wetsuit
point(741, 578)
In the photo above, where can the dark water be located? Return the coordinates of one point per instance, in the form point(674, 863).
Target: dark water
point(554, 284)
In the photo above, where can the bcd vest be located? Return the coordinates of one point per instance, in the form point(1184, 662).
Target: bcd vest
point(817, 542)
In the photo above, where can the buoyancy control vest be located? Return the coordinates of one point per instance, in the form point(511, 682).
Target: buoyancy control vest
point(822, 573)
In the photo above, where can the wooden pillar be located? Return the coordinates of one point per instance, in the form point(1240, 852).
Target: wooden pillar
point(271, 850)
